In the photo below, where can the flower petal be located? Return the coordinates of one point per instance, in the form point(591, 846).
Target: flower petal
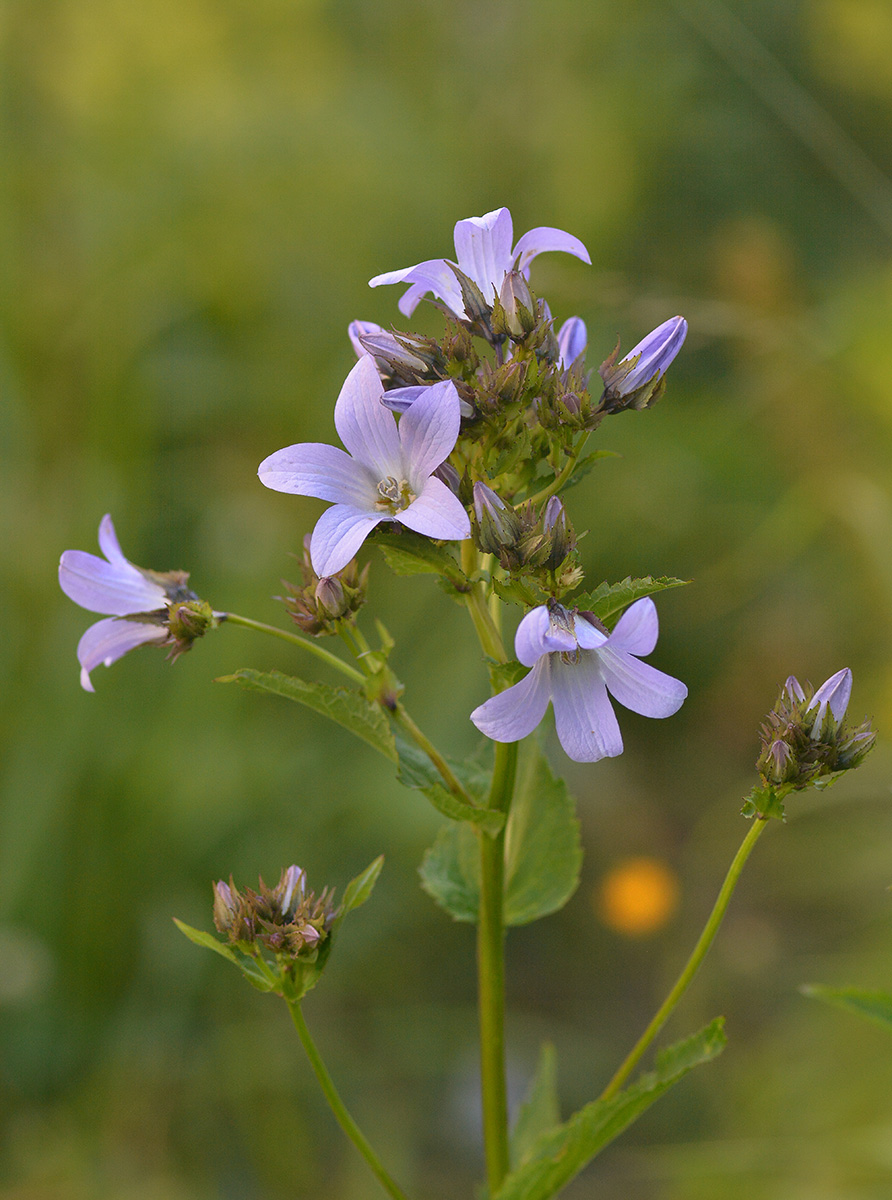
point(836, 692)
point(364, 425)
point(544, 238)
point(317, 469)
point(116, 588)
point(428, 431)
point(107, 641)
point(435, 276)
point(401, 399)
point(339, 533)
point(586, 724)
point(654, 353)
point(514, 713)
point(637, 629)
point(483, 249)
point(108, 541)
point(535, 637)
point(437, 512)
point(572, 340)
point(639, 686)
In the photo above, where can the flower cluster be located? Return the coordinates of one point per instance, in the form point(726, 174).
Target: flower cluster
point(805, 739)
point(286, 919)
point(446, 441)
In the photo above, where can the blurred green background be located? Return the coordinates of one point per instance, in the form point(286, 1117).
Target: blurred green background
point(193, 196)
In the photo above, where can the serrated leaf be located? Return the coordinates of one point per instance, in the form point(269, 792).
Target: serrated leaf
point(346, 708)
point(539, 1113)
point(417, 771)
point(762, 803)
point(561, 1153)
point(876, 1006)
point(525, 592)
point(409, 553)
point(543, 853)
point(609, 600)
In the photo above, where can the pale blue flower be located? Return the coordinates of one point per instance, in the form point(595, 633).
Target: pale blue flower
point(113, 585)
point(385, 474)
point(646, 363)
point(485, 254)
point(575, 664)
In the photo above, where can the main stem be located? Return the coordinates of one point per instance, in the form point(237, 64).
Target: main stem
point(491, 973)
point(490, 918)
point(690, 969)
point(337, 1106)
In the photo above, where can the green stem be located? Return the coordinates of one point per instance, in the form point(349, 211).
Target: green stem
point(491, 973)
point(561, 478)
point(401, 717)
point(487, 630)
point(336, 1104)
point(699, 953)
point(296, 640)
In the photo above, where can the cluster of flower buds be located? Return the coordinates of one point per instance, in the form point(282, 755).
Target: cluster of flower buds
point(319, 604)
point(805, 739)
point(287, 919)
point(525, 540)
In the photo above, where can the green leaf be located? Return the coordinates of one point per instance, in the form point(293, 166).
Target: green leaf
point(586, 464)
point(359, 889)
point(608, 600)
point(450, 871)
point(539, 1112)
point(348, 709)
point(417, 771)
point(515, 590)
point(876, 1006)
point(409, 553)
point(561, 1153)
point(764, 802)
point(543, 854)
point(254, 970)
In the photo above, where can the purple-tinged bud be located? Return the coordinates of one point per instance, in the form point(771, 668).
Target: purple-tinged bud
point(638, 380)
point(793, 688)
point(288, 894)
point(518, 309)
point(833, 693)
point(227, 906)
point(572, 341)
point(331, 599)
point(558, 531)
point(497, 525)
point(446, 473)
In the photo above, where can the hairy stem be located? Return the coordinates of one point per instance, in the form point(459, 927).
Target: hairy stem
point(337, 1106)
point(690, 969)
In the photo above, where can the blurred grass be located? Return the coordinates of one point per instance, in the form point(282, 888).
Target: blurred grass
point(193, 199)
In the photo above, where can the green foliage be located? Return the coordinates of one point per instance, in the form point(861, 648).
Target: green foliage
point(346, 708)
point(540, 1110)
point(765, 802)
point(417, 771)
point(408, 553)
point(876, 1006)
point(561, 1153)
point(254, 970)
point(608, 600)
point(543, 854)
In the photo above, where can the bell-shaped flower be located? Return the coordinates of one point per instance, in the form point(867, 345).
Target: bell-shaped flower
point(575, 664)
point(483, 247)
point(162, 609)
point(387, 472)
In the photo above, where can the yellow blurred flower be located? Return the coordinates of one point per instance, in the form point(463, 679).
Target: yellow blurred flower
point(638, 896)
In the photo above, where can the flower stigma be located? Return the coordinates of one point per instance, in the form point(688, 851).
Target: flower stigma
point(396, 495)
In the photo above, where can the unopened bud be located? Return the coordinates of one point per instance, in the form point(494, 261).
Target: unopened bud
point(498, 526)
point(518, 309)
point(638, 380)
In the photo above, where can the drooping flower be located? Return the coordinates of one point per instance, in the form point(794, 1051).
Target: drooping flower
point(637, 380)
point(144, 607)
point(385, 474)
point(575, 664)
point(484, 252)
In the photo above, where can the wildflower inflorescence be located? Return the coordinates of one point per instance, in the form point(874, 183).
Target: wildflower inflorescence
point(286, 920)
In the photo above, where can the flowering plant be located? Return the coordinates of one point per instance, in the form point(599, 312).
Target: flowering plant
point(458, 453)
